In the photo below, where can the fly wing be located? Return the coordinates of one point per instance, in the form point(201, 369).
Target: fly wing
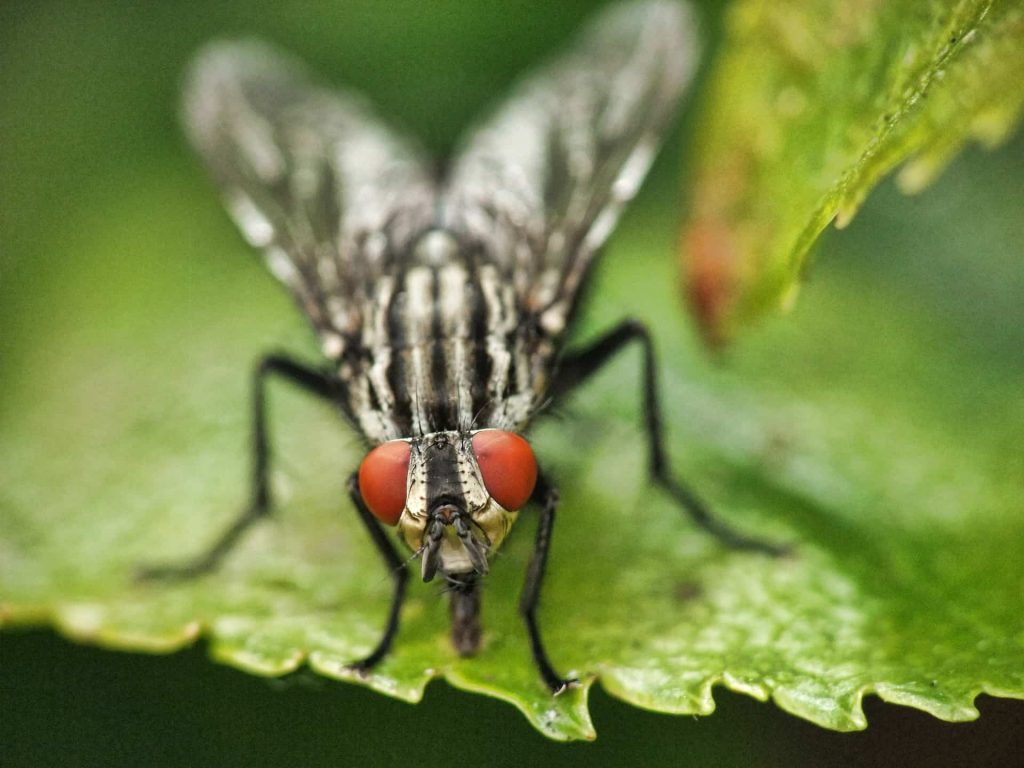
point(540, 185)
point(311, 177)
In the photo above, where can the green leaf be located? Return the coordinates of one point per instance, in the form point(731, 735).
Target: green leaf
point(880, 435)
point(878, 430)
point(809, 106)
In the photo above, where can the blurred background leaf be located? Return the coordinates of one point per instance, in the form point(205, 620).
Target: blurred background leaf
point(809, 106)
point(878, 427)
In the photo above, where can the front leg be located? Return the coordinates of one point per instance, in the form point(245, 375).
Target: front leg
point(547, 496)
point(305, 378)
point(396, 566)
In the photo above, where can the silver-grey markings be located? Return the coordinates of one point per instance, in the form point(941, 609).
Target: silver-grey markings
point(441, 303)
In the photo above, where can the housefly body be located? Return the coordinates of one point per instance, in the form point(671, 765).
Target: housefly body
point(441, 303)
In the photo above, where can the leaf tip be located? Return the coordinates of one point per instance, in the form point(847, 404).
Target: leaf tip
point(915, 176)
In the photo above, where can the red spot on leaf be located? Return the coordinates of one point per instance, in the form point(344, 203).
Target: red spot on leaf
point(711, 256)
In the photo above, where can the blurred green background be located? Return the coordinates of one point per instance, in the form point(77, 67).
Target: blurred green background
point(88, 94)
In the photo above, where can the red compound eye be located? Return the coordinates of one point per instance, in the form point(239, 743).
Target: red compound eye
point(508, 466)
point(382, 480)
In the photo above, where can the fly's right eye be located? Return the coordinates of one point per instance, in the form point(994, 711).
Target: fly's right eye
point(507, 465)
point(383, 476)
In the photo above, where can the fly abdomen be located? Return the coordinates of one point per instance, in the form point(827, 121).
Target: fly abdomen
point(465, 615)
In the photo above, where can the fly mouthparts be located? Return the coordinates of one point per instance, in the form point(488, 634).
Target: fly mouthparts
point(476, 548)
point(432, 549)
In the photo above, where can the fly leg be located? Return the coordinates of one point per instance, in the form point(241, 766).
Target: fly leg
point(259, 506)
point(398, 571)
point(577, 367)
point(547, 496)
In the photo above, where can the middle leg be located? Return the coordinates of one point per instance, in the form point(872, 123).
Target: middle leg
point(579, 366)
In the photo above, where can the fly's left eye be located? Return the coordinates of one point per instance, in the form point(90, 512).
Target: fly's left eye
point(507, 465)
point(383, 476)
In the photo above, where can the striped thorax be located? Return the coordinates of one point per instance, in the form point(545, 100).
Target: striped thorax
point(445, 348)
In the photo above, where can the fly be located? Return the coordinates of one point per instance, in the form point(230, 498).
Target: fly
point(441, 304)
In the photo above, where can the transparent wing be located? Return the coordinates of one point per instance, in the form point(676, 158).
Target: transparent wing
point(310, 176)
point(540, 185)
